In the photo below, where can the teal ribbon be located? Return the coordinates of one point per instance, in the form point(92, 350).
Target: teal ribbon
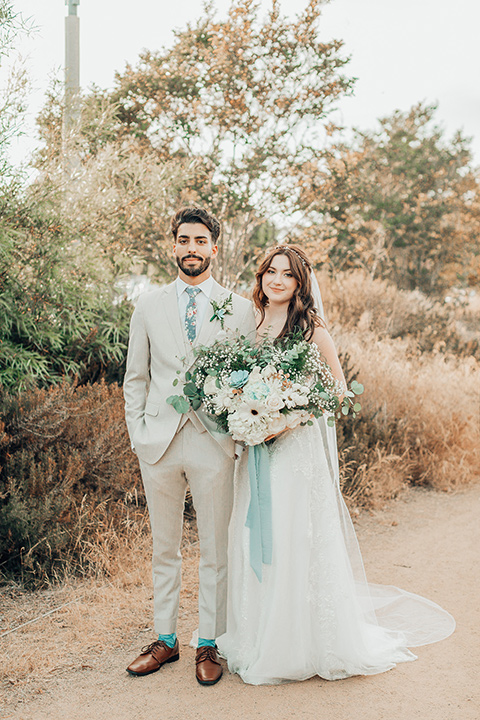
point(259, 515)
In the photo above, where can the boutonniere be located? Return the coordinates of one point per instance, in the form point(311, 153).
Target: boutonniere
point(221, 309)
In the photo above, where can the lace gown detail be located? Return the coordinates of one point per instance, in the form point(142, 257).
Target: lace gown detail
point(313, 613)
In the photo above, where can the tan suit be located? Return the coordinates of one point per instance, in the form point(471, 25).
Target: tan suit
point(175, 449)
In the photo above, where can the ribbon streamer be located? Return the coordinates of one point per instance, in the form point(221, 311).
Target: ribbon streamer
point(259, 515)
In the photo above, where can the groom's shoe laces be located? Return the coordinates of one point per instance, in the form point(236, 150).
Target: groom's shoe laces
point(207, 653)
point(156, 645)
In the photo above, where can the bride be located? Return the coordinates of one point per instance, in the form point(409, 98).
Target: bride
point(313, 612)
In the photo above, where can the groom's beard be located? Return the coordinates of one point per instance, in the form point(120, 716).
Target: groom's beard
point(190, 270)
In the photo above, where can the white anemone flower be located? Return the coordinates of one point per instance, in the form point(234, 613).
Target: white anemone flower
point(252, 410)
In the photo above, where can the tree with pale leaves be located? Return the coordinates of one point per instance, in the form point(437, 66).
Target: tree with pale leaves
point(245, 100)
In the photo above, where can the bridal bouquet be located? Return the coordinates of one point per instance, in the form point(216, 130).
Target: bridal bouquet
point(257, 391)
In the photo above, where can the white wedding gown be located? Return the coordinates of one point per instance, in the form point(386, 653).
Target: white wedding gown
point(314, 613)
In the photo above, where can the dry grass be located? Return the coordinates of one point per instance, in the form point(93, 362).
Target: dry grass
point(354, 301)
point(419, 422)
point(419, 361)
point(94, 616)
point(70, 486)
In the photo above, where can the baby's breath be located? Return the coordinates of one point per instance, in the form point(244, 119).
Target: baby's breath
point(253, 390)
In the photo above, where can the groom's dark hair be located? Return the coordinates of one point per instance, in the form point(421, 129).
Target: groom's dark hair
point(196, 215)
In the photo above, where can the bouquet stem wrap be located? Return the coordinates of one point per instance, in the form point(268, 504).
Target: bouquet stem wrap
point(259, 515)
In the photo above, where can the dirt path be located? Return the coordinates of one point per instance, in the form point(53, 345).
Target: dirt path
point(426, 542)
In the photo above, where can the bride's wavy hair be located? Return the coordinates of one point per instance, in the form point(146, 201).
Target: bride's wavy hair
point(301, 310)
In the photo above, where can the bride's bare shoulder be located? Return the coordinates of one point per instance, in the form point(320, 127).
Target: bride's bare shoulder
point(322, 337)
point(320, 332)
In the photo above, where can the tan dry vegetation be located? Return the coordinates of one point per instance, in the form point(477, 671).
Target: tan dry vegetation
point(418, 360)
point(92, 617)
point(354, 300)
point(420, 414)
point(75, 503)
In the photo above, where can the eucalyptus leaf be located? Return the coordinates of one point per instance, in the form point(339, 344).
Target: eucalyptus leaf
point(179, 403)
point(190, 390)
point(183, 406)
point(357, 387)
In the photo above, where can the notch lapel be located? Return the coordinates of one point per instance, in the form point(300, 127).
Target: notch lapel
point(210, 329)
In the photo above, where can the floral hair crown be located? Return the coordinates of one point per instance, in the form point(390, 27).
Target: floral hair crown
point(288, 247)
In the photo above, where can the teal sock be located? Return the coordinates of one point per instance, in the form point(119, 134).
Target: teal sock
point(169, 640)
point(202, 642)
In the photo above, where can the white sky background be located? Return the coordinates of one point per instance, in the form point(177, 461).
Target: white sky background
point(402, 51)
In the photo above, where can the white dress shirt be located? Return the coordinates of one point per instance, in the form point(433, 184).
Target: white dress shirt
point(202, 299)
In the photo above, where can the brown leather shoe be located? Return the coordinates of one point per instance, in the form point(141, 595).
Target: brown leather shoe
point(153, 657)
point(208, 671)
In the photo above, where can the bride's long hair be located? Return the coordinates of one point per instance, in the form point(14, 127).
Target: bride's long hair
point(301, 312)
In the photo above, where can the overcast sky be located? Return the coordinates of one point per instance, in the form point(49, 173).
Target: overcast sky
point(402, 51)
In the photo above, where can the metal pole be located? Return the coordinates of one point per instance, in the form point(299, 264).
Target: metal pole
point(72, 65)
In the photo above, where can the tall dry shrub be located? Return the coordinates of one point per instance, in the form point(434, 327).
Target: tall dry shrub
point(419, 423)
point(70, 489)
point(356, 301)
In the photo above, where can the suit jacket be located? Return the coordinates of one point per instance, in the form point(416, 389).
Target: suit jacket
point(157, 348)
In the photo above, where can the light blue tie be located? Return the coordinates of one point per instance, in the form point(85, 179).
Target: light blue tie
point(191, 313)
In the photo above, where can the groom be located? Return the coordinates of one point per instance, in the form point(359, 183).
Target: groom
point(173, 449)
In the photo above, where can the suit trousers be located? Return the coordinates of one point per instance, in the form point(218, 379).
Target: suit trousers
point(197, 459)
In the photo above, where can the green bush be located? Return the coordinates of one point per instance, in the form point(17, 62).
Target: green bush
point(58, 312)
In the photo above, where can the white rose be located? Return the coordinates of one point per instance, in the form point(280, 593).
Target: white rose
point(274, 402)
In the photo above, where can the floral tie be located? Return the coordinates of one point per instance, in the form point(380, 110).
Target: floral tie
point(191, 313)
